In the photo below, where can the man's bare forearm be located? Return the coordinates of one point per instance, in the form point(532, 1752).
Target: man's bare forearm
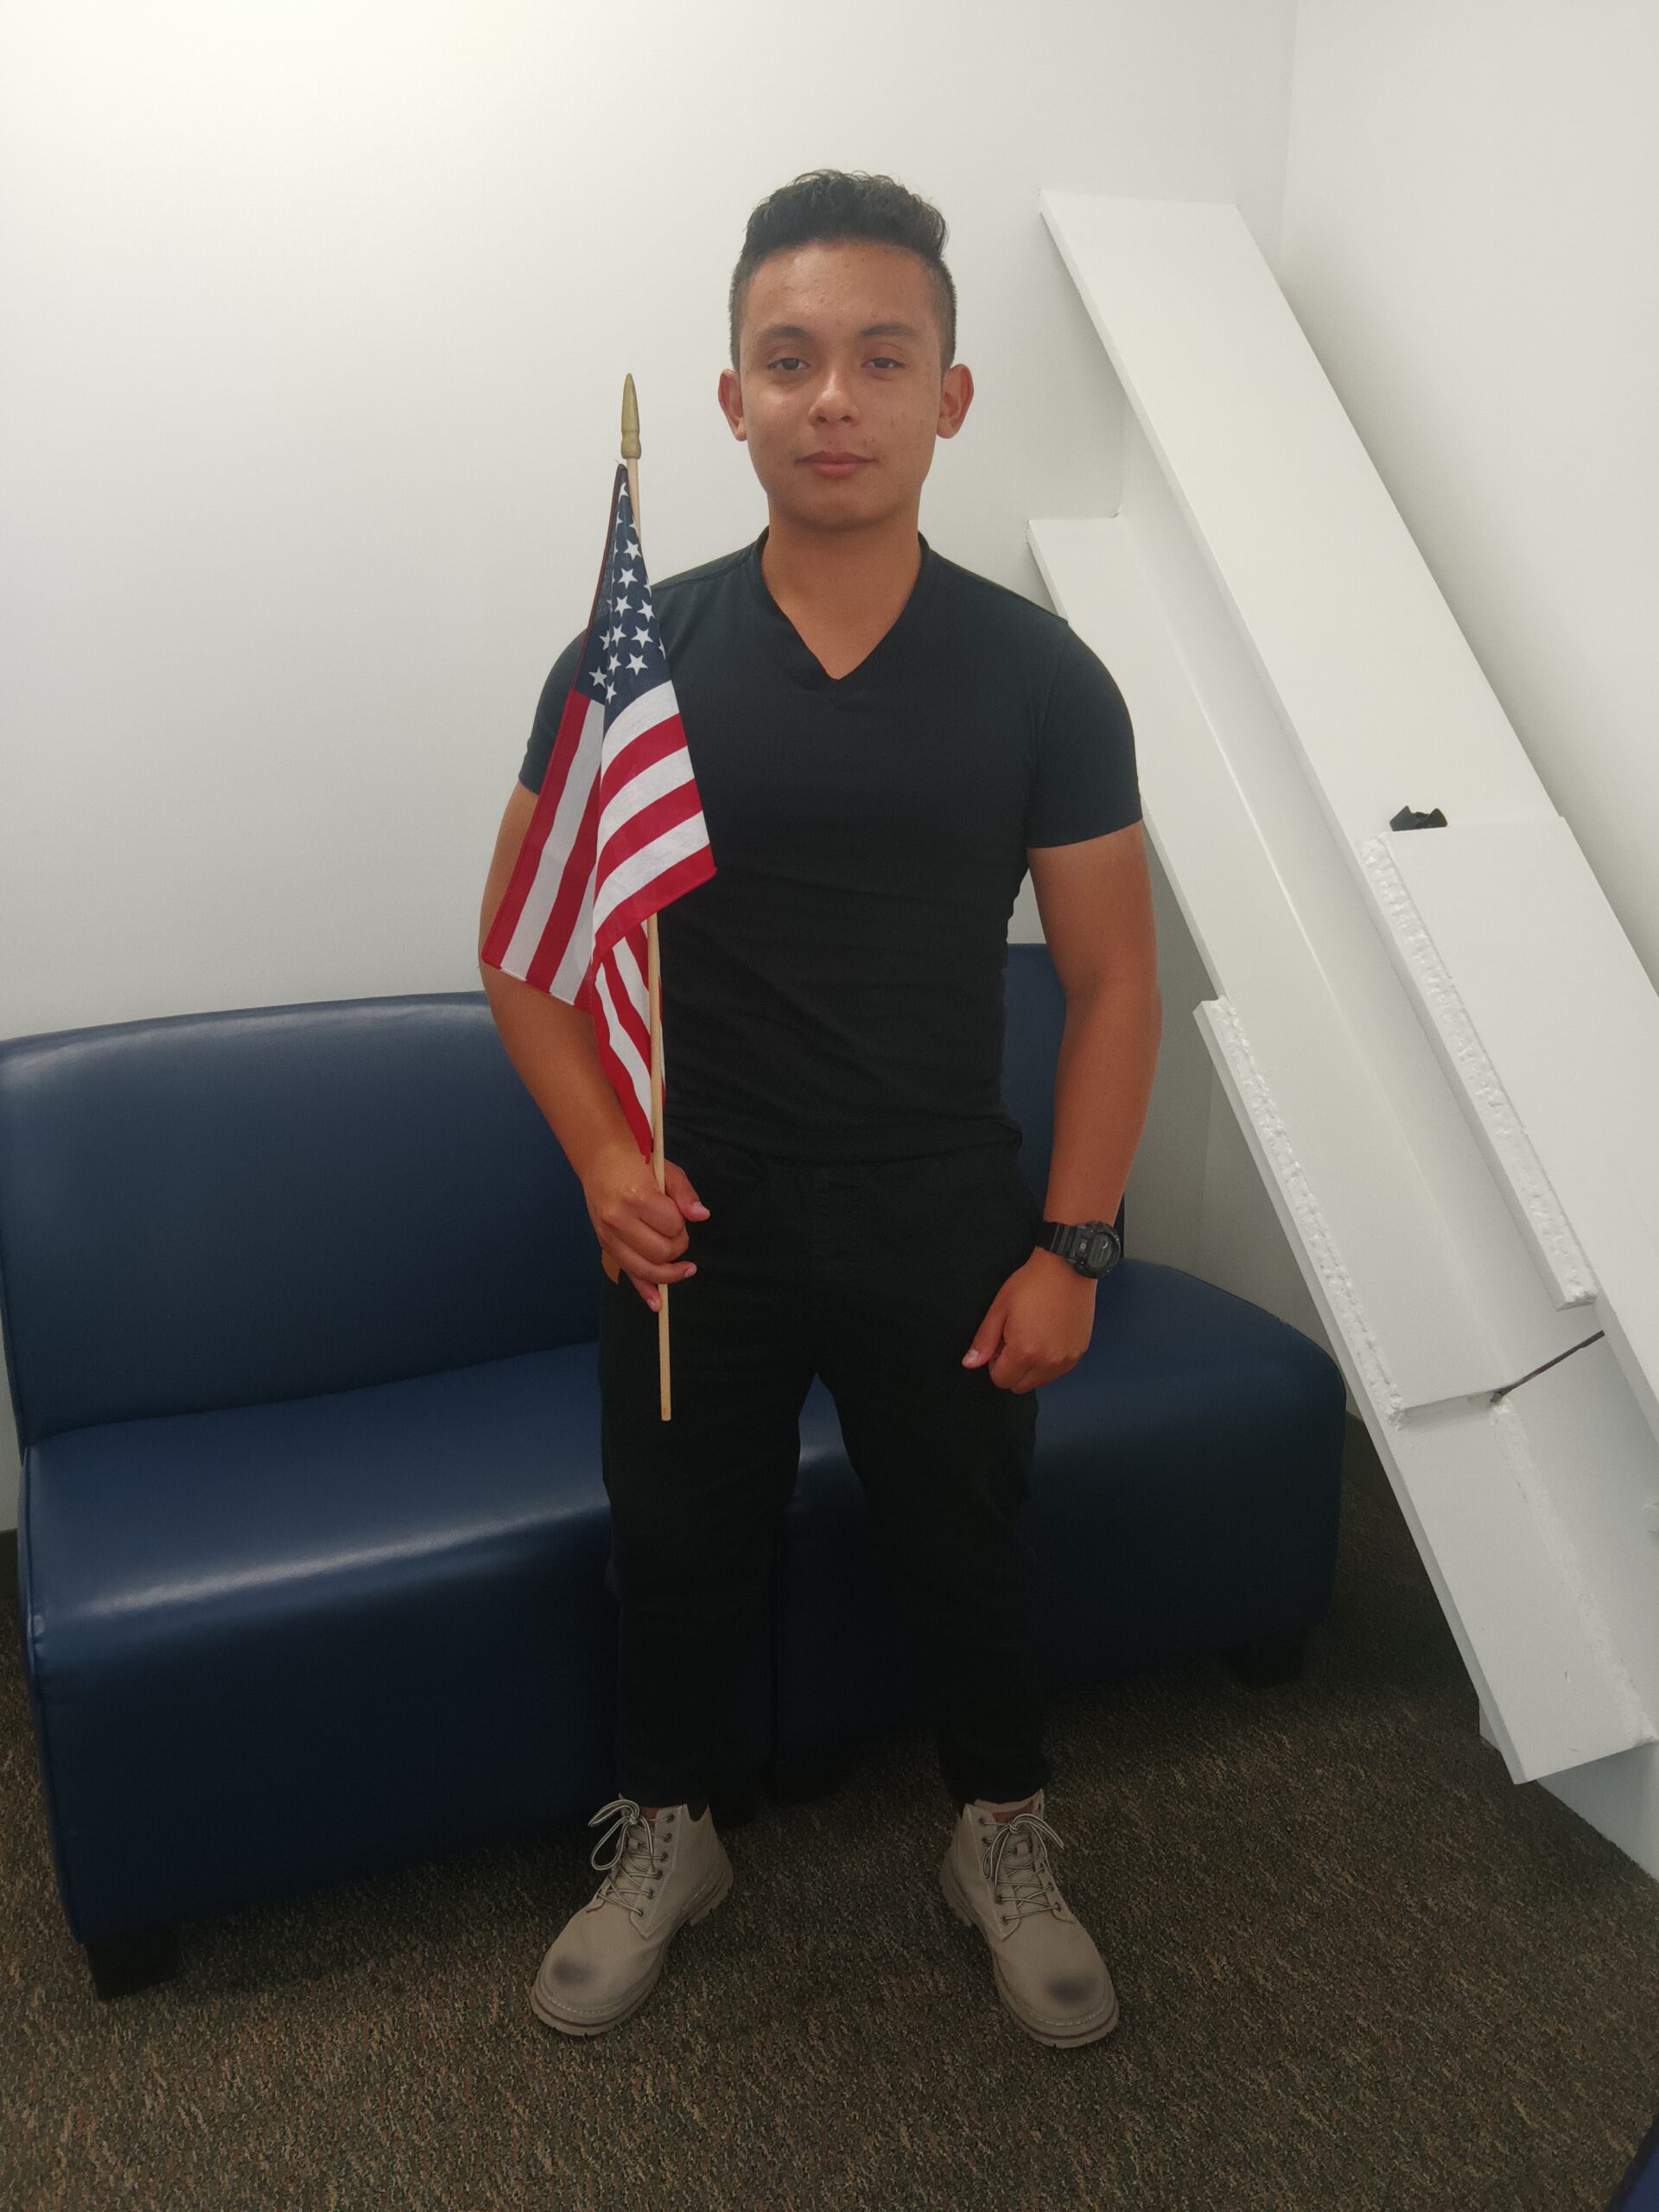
point(551, 1043)
point(1102, 1085)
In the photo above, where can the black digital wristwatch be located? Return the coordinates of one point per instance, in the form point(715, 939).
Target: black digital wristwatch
point(1093, 1248)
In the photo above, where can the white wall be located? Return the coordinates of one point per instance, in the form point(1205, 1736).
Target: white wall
point(319, 314)
point(1470, 232)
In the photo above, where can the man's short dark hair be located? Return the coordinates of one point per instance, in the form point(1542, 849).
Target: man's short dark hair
point(823, 207)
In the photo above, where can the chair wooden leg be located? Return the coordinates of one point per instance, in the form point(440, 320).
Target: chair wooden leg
point(1264, 1661)
point(122, 1964)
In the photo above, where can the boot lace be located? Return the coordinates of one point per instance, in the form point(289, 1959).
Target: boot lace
point(1019, 1868)
point(630, 1871)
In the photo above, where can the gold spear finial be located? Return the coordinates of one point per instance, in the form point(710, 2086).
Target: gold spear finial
point(630, 421)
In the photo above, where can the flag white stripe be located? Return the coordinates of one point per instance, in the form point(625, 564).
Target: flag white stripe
point(578, 953)
point(632, 976)
point(556, 854)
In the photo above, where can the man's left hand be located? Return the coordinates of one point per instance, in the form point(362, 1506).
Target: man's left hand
point(1039, 1324)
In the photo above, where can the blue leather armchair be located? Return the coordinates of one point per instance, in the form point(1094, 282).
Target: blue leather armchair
point(300, 1307)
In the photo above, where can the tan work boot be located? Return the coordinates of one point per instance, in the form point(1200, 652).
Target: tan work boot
point(1049, 1972)
point(610, 1953)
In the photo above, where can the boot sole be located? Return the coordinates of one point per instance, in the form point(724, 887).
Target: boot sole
point(964, 1912)
point(570, 2027)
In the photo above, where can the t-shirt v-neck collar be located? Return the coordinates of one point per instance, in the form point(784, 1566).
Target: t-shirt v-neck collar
point(797, 657)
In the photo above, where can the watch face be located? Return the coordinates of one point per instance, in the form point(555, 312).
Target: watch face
point(1097, 1251)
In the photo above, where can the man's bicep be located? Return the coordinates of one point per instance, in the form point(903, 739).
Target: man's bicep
point(1094, 897)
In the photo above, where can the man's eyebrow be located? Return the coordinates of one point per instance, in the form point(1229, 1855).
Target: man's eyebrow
point(775, 330)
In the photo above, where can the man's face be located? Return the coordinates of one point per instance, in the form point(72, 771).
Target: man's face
point(839, 353)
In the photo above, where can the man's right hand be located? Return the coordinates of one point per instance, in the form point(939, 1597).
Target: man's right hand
point(641, 1230)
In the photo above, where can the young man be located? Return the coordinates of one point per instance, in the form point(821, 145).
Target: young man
point(884, 742)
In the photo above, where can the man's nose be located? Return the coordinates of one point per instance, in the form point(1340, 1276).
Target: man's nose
point(835, 396)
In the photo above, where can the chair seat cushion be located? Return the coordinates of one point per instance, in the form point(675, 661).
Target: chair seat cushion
point(188, 1525)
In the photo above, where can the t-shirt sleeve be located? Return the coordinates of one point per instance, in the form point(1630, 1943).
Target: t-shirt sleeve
point(1086, 782)
point(550, 711)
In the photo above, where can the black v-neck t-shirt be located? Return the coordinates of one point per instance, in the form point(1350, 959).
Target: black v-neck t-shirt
point(835, 990)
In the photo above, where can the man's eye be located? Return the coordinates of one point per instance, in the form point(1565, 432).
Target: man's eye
point(793, 361)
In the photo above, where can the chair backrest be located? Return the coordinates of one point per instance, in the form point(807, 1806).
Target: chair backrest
point(224, 1208)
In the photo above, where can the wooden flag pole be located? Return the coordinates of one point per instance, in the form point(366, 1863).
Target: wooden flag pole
point(631, 454)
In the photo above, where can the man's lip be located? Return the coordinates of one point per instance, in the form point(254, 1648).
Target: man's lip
point(861, 457)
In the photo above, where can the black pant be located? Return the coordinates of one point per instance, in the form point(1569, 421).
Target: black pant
point(874, 1277)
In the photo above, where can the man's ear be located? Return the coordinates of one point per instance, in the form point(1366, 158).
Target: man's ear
point(955, 397)
point(729, 392)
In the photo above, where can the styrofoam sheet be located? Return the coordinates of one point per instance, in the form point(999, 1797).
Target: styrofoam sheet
point(1295, 677)
point(1552, 1026)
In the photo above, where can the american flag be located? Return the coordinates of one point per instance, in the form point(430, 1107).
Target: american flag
point(618, 831)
